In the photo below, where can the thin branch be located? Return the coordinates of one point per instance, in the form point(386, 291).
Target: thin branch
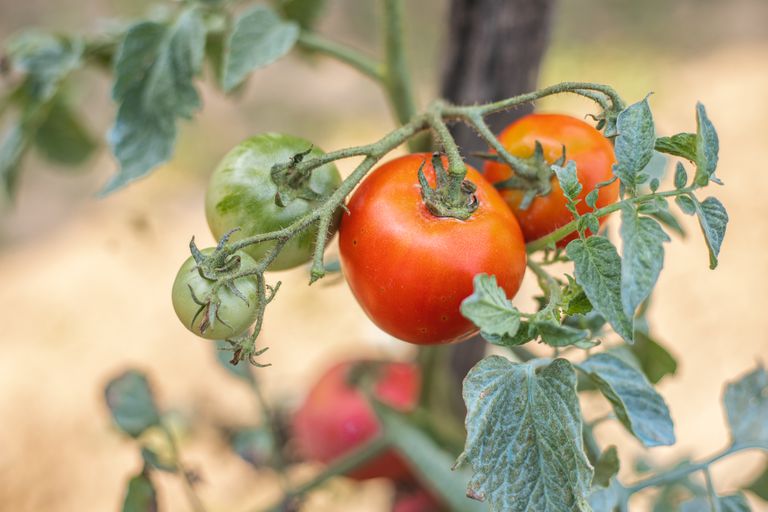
point(316, 43)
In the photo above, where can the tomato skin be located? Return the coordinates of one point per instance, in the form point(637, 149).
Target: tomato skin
point(232, 310)
point(335, 418)
point(241, 194)
point(409, 269)
point(592, 152)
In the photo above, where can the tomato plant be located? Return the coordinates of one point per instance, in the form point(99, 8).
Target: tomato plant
point(559, 136)
point(432, 252)
point(242, 194)
point(408, 267)
point(335, 417)
point(210, 311)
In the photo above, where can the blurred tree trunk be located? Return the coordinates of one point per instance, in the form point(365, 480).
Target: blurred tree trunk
point(493, 51)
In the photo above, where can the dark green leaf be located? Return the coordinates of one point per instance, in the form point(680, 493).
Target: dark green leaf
point(489, 309)
point(558, 335)
point(524, 437)
point(637, 405)
point(254, 445)
point(606, 467)
point(140, 495)
point(303, 12)
point(746, 405)
point(643, 257)
point(707, 147)
point(681, 177)
point(635, 142)
point(654, 359)
point(574, 300)
point(431, 463)
point(154, 72)
point(568, 179)
point(591, 198)
point(686, 204)
point(731, 503)
point(62, 138)
point(131, 402)
point(654, 184)
point(525, 333)
point(713, 220)
point(598, 271)
point(12, 148)
point(258, 38)
point(759, 486)
point(680, 144)
point(589, 222)
point(669, 220)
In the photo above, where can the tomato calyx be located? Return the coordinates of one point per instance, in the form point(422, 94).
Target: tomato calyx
point(534, 177)
point(449, 197)
point(292, 180)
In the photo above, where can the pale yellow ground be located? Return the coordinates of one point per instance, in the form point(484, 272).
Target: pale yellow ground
point(84, 293)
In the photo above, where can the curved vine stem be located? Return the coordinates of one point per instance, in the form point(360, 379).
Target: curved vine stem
point(316, 43)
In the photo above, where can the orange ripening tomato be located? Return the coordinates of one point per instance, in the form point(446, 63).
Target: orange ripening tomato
point(335, 418)
point(410, 269)
point(592, 152)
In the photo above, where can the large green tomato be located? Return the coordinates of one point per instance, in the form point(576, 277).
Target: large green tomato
point(235, 315)
point(242, 194)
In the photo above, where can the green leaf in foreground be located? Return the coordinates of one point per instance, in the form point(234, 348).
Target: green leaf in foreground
point(131, 402)
point(730, 503)
point(635, 142)
point(637, 405)
point(713, 220)
point(707, 147)
point(140, 495)
point(258, 38)
point(598, 272)
point(155, 67)
point(489, 309)
point(524, 437)
point(606, 467)
point(680, 144)
point(643, 257)
point(568, 179)
point(746, 405)
point(429, 461)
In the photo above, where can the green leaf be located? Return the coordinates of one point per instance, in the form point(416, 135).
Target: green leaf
point(635, 142)
point(46, 60)
point(654, 359)
point(254, 445)
point(524, 437)
point(62, 138)
point(680, 144)
point(258, 38)
point(746, 405)
point(155, 67)
point(637, 405)
point(643, 257)
point(713, 220)
point(429, 461)
point(686, 204)
point(140, 496)
point(131, 403)
point(303, 12)
point(681, 177)
point(223, 353)
point(730, 503)
point(574, 301)
point(759, 486)
point(606, 467)
point(707, 147)
point(598, 271)
point(669, 220)
point(525, 333)
point(12, 148)
point(558, 335)
point(606, 499)
point(489, 309)
point(568, 179)
point(591, 198)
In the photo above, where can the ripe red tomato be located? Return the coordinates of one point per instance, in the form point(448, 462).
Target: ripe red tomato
point(410, 269)
point(416, 501)
point(592, 152)
point(335, 417)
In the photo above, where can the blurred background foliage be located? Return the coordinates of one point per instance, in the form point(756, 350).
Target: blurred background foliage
point(84, 283)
